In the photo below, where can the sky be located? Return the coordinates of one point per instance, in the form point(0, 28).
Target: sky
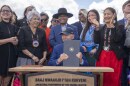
point(51, 6)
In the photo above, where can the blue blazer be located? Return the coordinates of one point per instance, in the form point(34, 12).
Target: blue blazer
point(121, 22)
point(57, 51)
point(55, 37)
point(79, 26)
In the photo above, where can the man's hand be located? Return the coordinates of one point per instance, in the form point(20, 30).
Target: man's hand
point(62, 57)
point(79, 56)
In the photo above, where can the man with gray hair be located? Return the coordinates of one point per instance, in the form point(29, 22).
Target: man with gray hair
point(82, 20)
point(124, 21)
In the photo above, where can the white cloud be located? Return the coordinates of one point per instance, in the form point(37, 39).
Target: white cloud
point(49, 6)
point(52, 6)
point(100, 6)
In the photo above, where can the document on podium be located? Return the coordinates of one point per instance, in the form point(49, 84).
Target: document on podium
point(71, 48)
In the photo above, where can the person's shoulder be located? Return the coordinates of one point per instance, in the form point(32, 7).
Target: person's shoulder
point(56, 26)
point(72, 26)
point(22, 19)
point(120, 26)
point(24, 28)
point(101, 27)
point(48, 29)
point(121, 21)
point(76, 23)
point(42, 31)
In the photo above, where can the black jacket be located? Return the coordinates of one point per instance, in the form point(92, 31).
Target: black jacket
point(22, 22)
point(7, 51)
point(116, 41)
point(25, 42)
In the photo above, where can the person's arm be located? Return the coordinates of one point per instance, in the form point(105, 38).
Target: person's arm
point(52, 38)
point(82, 59)
point(29, 54)
point(22, 47)
point(12, 40)
point(53, 58)
point(97, 33)
point(7, 40)
point(119, 32)
point(42, 60)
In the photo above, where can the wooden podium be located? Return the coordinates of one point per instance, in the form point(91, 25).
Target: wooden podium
point(55, 69)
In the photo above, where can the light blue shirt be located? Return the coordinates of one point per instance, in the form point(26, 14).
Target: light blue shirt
point(89, 40)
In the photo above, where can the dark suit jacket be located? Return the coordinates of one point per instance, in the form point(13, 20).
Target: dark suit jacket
point(55, 37)
point(121, 22)
point(127, 50)
point(79, 27)
point(116, 41)
point(22, 22)
point(57, 51)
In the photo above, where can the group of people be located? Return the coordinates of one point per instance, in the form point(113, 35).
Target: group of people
point(29, 41)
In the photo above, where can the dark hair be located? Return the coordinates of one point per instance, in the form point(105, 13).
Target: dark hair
point(26, 10)
point(15, 14)
point(114, 12)
point(88, 24)
point(6, 6)
point(127, 2)
point(44, 14)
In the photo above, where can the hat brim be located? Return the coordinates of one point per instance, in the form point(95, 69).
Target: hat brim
point(64, 33)
point(58, 14)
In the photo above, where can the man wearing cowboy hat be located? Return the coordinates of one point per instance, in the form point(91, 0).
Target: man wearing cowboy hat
point(55, 37)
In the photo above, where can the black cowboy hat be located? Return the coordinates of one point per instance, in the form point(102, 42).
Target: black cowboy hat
point(62, 11)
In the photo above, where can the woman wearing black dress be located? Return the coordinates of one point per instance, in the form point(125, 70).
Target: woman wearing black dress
point(8, 42)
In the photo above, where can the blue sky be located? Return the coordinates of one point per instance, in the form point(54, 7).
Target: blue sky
point(51, 6)
point(100, 5)
point(86, 3)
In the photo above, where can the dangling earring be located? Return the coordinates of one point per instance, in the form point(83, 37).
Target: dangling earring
point(114, 21)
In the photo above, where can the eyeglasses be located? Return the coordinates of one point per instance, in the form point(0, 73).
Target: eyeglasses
point(6, 11)
point(43, 20)
point(54, 20)
point(80, 14)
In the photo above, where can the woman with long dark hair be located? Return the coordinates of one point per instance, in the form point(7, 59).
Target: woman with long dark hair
point(110, 51)
point(87, 36)
point(23, 22)
point(8, 42)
